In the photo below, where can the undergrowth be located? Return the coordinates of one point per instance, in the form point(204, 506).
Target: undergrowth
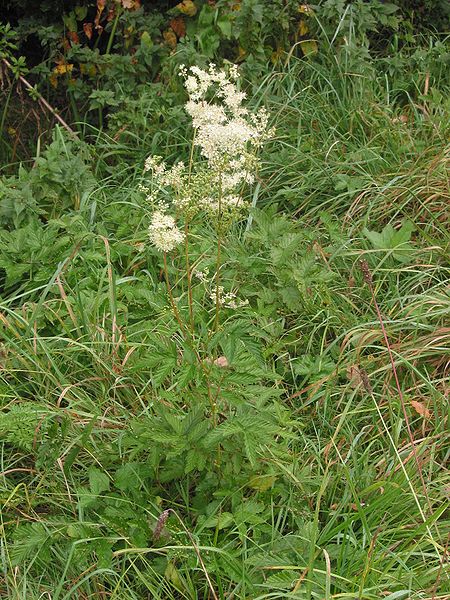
point(323, 472)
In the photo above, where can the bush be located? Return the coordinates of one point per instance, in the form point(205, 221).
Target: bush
point(427, 15)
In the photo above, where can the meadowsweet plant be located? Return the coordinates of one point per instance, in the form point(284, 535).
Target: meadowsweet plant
point(227, 136)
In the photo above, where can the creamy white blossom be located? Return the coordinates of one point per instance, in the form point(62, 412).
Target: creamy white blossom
point(227, 299)
point(155, 164)
point(226, 203)
point(231, 180)
point(203, 114)
point(215, 100)
point(173, 176)
point(163, 232)
point(226, 132)
point(228, 136)
point(202, 275)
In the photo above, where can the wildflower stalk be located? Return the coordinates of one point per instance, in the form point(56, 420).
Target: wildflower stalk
point(169, 293)
point(217, 317)
point(189, 275)
point(186, 242)
point(191, 157)
point(190, 339)
point(228, 136)
point(219, 257)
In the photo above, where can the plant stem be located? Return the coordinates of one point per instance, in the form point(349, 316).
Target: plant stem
point(219, 247)
point(169, 292)
point(191, 157)
point(189, 275)
point(113, 31)
point(189, 338)
point(186, 245)
point(219, 257)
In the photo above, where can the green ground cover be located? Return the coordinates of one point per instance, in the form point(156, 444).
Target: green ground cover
point(296, 446)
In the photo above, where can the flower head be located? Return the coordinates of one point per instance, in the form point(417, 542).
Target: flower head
point(225, 129)
point(228, 135)
point(155, 164)
point(163, 232)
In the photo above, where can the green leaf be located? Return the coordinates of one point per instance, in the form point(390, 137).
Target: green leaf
point(262, 483)
point(309, 47)
point(81, 12)
point(395, 241)
point(224, 24)
point(70, 21)
point(104, 554)
point(221, 521)
point(98, 481)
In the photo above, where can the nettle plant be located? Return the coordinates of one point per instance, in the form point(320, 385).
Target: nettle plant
point(229, 137)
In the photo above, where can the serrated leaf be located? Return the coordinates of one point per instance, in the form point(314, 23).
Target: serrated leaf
point(282, 580)
point(98, 481)
point(262, 483)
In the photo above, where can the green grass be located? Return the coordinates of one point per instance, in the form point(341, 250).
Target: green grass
point(322, 478)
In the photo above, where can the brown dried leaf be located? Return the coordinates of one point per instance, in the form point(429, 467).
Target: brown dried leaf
point(131, 4)
point(73, 37)
point(309, 47)
point(62, 68)
point(170, 38)
point(87, 28)
point(221, 362)
point(305, 9)
point(100, 8)
point(179, 26)
point(302, 28)
point(354, 376)
point(401, 119)
point(421, 409)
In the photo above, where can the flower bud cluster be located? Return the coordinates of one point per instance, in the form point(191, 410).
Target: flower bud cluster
point(227, 299)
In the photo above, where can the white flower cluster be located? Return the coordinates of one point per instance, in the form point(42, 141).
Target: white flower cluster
point(155, 164)
point(228, 202)
point(226, 132)
point(203, 276)
point(165, 177)
point(227, 299)
point(228, 135)
point(163, 232)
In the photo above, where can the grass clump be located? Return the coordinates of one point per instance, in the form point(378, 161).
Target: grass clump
point(294, 446)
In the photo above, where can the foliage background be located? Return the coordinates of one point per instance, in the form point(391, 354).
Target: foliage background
point(322, 478)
